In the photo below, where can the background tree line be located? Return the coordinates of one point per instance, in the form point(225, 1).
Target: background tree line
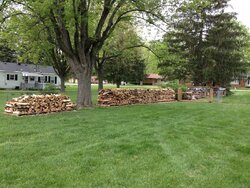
point(204, 42)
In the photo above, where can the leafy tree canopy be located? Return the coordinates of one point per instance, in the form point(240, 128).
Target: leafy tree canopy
point(81, 27)
point(205, 43)
point(126, 62)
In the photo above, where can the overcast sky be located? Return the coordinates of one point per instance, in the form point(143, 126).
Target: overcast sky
point(241, 7)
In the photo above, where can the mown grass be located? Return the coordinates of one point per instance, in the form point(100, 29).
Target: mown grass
point(155, 145)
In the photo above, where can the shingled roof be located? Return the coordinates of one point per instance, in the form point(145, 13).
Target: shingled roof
point(31, 68)
point(154, 76)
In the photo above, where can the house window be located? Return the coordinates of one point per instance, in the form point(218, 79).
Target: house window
point(55, 79)
point(47, 79)
point(12, 77)
point(26, 78)
point(52, 80)
point(32, 78)
point(39, 80)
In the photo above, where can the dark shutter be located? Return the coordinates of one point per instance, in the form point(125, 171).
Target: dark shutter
point(55, 79)
point(16, 77)
point(8, 77)
point(49, 79)
point(45, 79)
point(39, 79)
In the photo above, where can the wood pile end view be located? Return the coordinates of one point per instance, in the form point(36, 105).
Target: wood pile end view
point(38, 104)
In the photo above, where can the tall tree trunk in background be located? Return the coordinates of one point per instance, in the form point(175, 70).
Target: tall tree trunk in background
point(60, 66)
point(100, 77)
point(99, 65)
point(62, 86)
point(118, 84)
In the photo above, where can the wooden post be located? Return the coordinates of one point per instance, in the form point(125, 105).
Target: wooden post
point(211, 95)
point(179, 94)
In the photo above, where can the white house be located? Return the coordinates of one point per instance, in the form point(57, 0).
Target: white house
point(27, 76)
point(243, 81)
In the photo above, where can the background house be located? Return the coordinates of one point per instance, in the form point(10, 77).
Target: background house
point(94, 80)
point(244, 81)
point(152, 79)
point(27, 76)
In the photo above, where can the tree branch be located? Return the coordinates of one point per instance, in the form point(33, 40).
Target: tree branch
point(112, 24)
point(106, 10)
point(59, 35)
point(76, 34)
point(83, 10)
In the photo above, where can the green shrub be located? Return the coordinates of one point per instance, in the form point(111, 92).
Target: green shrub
point(50, 89)
point(174, 85)
point(184, 88)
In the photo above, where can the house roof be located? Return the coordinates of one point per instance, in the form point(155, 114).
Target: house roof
point(30, 68)
point(153, 76)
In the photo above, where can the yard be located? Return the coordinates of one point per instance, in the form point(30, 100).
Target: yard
point(156, 145)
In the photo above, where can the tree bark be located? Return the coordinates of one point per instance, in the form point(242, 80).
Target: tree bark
point(100, 77)
point(84, 90)
point(83, 74)
point(118, 84)
point(62, 84)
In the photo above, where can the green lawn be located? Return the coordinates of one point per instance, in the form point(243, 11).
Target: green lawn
point(158, 145)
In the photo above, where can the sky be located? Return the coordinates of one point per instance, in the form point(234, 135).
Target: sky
point(241, 7)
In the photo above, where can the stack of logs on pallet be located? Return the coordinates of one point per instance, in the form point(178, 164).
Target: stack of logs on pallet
point(118, 97)
point(203, 92)
point(38, 104)
point(196, 93)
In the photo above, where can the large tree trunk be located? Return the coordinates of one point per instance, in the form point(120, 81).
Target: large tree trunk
point(84, 90)
point(83, 74)
point(100, 77)
point(62, 86)
point(118, 84)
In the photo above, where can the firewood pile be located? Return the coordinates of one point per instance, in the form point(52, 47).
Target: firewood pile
point(196, 93)
point(118, 97)
point(38, 104)
point(220, 91)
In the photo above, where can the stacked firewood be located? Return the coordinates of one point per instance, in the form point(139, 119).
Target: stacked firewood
point(118, 97)
point(38, 104)
point(196, 93)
